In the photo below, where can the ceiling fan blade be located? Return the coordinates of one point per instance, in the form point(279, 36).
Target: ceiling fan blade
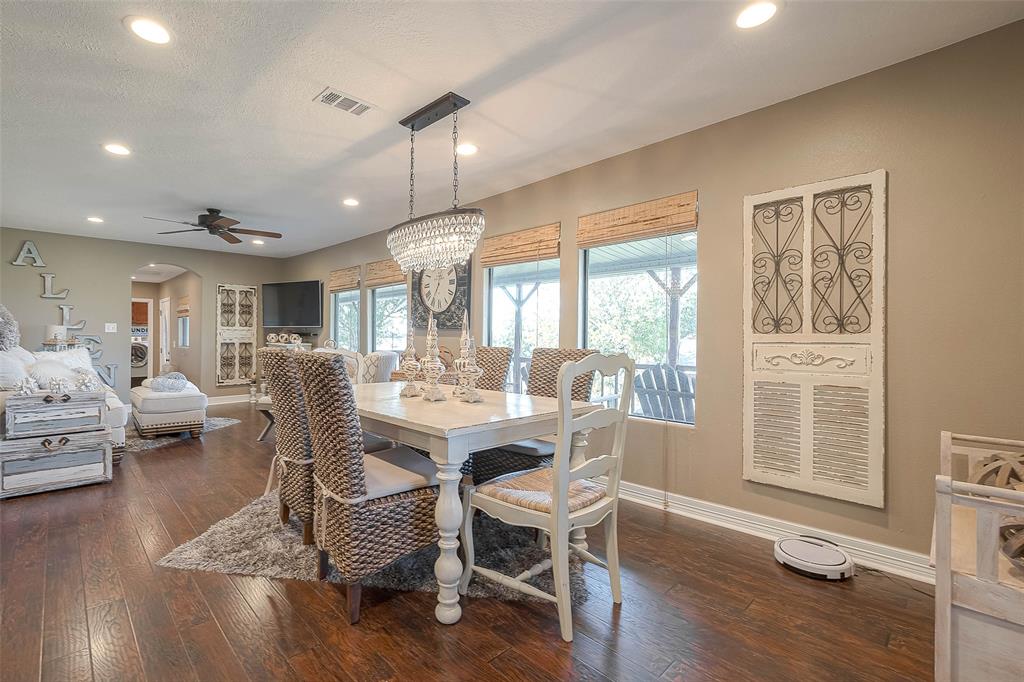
point(256, 233)
point(195, 229)
point(224, 222)
point(180, 222)
point(229, 238)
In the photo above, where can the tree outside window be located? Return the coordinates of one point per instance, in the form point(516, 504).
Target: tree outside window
point(523, 303)
point(390, 317)
point(641, 299)
point(345, 319)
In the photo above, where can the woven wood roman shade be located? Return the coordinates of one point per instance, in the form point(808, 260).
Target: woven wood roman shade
point(524, 246)
point(648, 219)
point(345, 279)
point(381, 272)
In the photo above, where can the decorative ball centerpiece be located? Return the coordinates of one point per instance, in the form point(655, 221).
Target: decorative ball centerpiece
point(433, 368)
point(410, 367)
point(1011, 532)
point(1002, 470)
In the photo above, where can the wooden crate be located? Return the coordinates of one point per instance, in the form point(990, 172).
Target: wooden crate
point(49, 414)
point(32, 465)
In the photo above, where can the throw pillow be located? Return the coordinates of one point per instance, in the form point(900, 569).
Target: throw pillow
point(10, 337)
point(73, 357)
point(45, 370)
point(12, 370)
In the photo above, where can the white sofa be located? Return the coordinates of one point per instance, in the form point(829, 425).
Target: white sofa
point(372, 368)
point(18, 363)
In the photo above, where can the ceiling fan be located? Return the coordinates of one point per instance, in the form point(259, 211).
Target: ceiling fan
point(219, 226)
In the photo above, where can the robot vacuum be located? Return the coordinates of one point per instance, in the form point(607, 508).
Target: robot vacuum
point(814, 557)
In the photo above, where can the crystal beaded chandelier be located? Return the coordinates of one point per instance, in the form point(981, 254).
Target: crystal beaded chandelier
point(442, 239)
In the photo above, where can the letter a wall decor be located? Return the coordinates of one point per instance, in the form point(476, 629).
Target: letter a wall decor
point(236, 334)
point(814, 338)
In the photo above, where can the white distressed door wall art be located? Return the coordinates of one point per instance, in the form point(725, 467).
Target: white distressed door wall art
point(236, 334)
point(814, 338)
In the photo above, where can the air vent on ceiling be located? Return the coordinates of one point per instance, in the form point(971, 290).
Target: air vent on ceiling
point(340, 100)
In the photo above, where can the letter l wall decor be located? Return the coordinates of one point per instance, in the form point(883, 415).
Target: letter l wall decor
point(814, 338)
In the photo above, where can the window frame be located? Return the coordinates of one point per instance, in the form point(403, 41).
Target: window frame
point(333, 316)
point(584, 316)
point(489, 310)
point(372, 319)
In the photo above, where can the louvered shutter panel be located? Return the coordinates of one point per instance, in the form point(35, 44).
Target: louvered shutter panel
point(814, 333)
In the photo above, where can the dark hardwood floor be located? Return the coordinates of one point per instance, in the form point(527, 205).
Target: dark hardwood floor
point(82, 599)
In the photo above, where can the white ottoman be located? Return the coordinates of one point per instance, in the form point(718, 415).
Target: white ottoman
point(159, 412)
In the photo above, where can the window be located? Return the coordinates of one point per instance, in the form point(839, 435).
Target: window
point(345, 319)
point(183, 332)
point(390, 308)
point(640, 298)
point(522, 308)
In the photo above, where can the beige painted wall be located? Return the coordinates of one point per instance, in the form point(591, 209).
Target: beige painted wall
point(948, 128)
point(98, 273)
point(187, 359)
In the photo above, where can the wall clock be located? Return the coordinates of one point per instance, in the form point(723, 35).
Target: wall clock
point(445, 292)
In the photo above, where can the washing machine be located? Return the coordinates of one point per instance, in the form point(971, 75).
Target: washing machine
point(140, 351)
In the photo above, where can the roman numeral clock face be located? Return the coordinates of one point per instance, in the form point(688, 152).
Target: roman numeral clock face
point(437, 288)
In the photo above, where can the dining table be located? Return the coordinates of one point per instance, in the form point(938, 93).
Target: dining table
point(450, 430)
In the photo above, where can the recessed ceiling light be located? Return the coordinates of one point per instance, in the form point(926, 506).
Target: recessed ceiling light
point(466, 149)
point(258, 242)
point(147, 29)
point(756, 14)
point(152, 265)
point(133, 276)
point(117, 149)
point(94, 219)
point(351, 202)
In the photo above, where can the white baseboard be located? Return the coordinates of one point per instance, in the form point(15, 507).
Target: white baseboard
point(228, 399)
point(869, 554)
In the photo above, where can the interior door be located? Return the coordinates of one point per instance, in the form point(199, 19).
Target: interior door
point(165, 331)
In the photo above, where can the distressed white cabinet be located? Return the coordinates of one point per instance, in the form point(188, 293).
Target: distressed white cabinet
point(46, 413)
point(814, 338)
point(40, 463)
point(236, 334)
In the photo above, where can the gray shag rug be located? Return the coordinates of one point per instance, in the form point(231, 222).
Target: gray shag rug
point(133, 442)
point(252, 541)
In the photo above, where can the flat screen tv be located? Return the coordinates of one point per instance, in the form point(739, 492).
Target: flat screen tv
point(293, 304)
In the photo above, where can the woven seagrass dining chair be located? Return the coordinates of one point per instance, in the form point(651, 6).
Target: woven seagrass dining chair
point(528, 454)
point(370, 509)
point(292, 468)
point(494, 361)
point(562, 498)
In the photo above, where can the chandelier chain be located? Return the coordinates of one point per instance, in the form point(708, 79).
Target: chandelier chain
point(412, 175)
point(455, 159)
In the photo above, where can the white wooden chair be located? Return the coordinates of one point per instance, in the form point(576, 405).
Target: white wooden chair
point(563, 498)
point(979, 592)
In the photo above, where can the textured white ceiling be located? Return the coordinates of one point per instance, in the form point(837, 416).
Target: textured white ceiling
point(223, 116)
point(158, 272)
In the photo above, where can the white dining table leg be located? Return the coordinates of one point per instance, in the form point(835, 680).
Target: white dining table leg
point(448, 515)
point(578, 536)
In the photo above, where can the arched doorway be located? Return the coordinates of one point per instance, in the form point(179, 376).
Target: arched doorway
point(166, 318)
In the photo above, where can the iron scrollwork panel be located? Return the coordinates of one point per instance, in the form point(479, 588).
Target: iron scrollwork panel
point(228, 358)
point(246, 308)
point(841, 279)
point(777, 267)
point(228, 307)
